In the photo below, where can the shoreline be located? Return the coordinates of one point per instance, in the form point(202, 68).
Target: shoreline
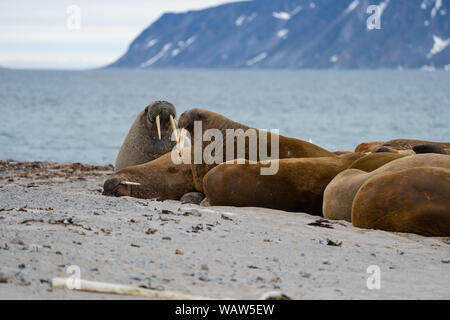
point(53, 215)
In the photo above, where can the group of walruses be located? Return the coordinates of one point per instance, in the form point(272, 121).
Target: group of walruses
point(400, 186)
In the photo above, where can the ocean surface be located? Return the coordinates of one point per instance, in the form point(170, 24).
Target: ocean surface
point(84, 116)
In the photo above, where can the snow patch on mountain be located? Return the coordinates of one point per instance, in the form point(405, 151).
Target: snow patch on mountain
point(281, 15)
point(257, 59)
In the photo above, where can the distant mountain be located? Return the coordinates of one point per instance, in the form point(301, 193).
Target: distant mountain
point(297, 34)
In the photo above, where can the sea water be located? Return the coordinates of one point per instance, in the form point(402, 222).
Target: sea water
point(84, 116)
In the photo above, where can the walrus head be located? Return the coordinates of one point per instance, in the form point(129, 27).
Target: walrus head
point(209, 119)
point(161, 113)
point(118, 187)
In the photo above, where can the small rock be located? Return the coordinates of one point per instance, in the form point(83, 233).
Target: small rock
point(192, 198)
point(204, 278)
point(3, 278)
point(275, 295)
point(151, 231)
point(334, 243)
point(177, 251)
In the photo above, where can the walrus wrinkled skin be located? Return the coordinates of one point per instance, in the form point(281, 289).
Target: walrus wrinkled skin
point(414, 200)
point(157, 178)
point(288, 147)
point(373, 161)
point(340, 192)
point(298, 185)
point(406, 144)
point(142, 143)
point(380, 149)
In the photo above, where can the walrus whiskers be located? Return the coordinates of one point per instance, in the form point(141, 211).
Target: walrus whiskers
point(129, 183)
point(158, 126)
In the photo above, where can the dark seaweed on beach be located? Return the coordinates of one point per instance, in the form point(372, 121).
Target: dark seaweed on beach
point(322, 223)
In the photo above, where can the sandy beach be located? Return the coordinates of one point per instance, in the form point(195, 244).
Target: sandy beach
point(53, 216)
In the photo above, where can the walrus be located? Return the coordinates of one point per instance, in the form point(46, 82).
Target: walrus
point(288, 147)
point(158, 178)
point(373, 161)
point(340, 192)
point(414, 200)
point(149, 136)
point(428, 148)
point(406, 144)
point(298, 185)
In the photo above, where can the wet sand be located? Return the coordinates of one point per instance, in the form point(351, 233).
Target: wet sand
point(53, 216)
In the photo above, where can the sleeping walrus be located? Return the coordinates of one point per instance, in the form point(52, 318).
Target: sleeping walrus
point(298, 185)
point(341, 191)
point(158, 178)
point(414, 200)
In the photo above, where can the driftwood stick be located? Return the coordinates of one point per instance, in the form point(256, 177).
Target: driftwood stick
point(110, 288)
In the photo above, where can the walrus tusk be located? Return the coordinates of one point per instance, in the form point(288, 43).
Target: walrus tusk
point(129, 183)
point(158, 126)
point(102, 287)
point(174, 127)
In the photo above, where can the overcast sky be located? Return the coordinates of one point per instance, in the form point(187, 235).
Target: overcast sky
point(35, 33)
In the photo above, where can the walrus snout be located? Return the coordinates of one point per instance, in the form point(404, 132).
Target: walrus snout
point(117, 187)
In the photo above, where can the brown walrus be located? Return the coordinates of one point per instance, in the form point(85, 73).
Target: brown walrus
point(415, 200)
point(340, 192)
point(158, 178)
point(298, 185)
point(288, 147)
point(149, 136)
point(406, 144)
point(373, 161)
